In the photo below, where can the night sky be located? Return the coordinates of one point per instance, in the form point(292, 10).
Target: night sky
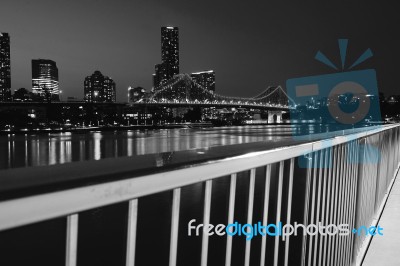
point(250, 45)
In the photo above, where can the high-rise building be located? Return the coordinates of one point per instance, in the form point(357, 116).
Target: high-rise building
point(5, 69)
point(205, 78)
point(99, 88)
point(45, 79)
point(170, 50)
point(169, 56)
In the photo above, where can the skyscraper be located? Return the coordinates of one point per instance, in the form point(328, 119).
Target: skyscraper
point(99, 88)
point(170, 50)
point(5, 69)
point(169, 56)
point(45, 79)
point(206, 79)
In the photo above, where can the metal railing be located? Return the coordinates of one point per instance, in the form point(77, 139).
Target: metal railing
point(338, 186)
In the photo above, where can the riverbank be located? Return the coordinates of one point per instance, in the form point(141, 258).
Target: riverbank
point(103, 128)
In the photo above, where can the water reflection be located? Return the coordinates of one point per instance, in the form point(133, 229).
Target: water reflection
point(57, 148)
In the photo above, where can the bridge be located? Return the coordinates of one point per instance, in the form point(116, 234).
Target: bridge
point(255, 183)
point(182, 90)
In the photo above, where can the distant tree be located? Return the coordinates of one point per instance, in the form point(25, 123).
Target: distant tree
point(22, 95)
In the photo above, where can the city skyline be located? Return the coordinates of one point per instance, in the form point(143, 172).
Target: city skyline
point(256, 51)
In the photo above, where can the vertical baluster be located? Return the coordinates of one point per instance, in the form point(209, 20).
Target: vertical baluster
point(72, 240)
point(344, 202)
point(337, 202)
point(250, 214)
point(306, 207)
point(206, 222)
point(278, 211)
point(343, 178)
point(332, 201)
point(131, 238)
point(368, 193)
point(373, 185)
point(314, 180)
point(317, 217)
point(265, 212)
point(232, 192)
point(350, 164)
point(362, 192)
point(354, 198)
point(381, 174)
point(325, 195)
point(341, 202)
point(173, 249)
point(289, 208)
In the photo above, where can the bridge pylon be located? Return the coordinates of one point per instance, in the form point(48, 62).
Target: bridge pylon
point(275, 116)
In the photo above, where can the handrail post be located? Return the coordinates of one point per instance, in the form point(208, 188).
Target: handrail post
point(131, 237)
point(206, 222)
point(265, 212)
point(173, 249)
point(278, 211)
point(232, 192)
point(250, 214)
point(72, 240)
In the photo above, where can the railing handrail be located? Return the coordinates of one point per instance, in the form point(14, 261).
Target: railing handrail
point(31, 209)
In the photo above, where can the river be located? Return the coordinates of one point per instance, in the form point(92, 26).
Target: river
point(23, 150)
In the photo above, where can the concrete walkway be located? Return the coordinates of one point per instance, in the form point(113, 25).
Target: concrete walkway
point(385, 250)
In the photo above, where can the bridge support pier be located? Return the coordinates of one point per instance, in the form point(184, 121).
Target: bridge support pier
point(274, 117)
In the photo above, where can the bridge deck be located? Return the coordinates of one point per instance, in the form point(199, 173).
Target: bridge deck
point(384, 250)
